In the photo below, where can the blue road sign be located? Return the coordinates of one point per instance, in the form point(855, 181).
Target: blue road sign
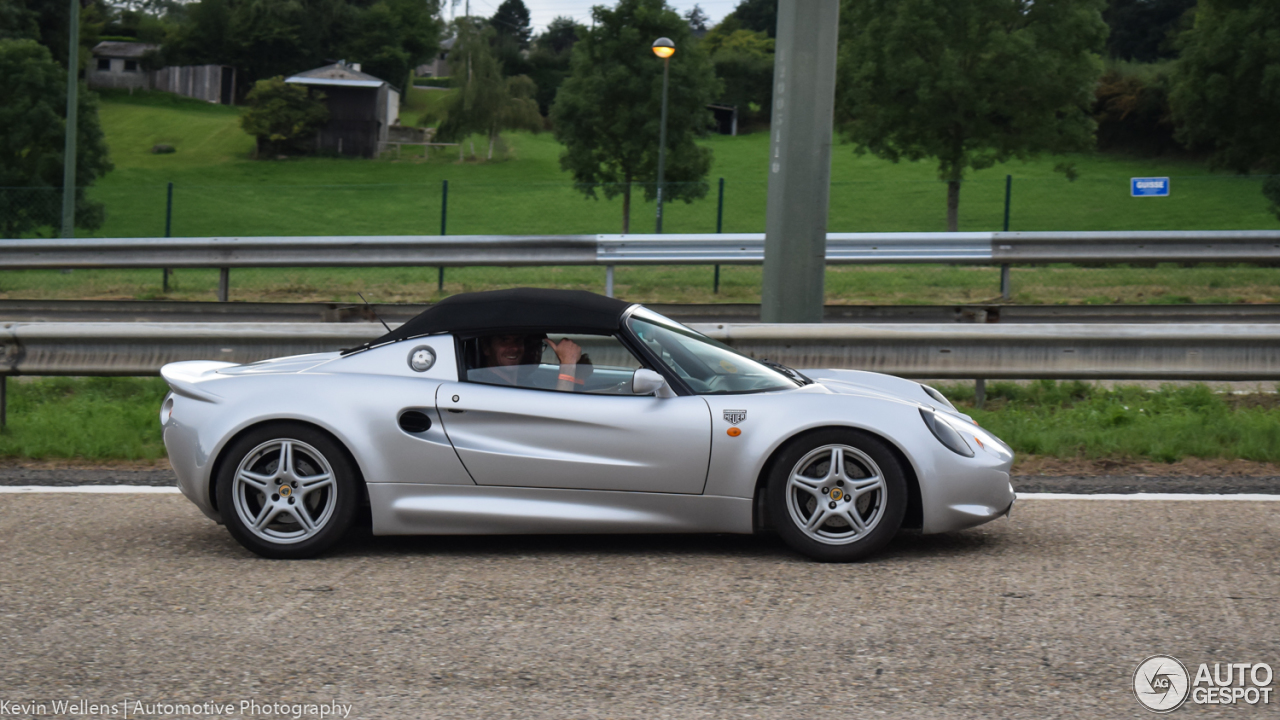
point(1149, 187)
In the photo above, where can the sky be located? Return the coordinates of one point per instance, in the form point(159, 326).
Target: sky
point(544, 11)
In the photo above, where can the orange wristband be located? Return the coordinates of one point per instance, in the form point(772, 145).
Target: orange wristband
point(572, 379)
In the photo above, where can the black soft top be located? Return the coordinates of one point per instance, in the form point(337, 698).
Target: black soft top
point(519, 310)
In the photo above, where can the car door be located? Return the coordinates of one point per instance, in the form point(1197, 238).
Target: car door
point(527, 437)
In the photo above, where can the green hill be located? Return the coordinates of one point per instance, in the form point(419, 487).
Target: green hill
point(220, 191)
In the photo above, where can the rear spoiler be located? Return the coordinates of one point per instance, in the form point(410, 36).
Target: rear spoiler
point(184, 378)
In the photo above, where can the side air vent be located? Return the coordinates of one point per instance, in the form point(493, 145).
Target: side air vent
point(415, 422)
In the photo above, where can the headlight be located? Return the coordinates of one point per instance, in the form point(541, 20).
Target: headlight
point(937, 396)
point(946, 434)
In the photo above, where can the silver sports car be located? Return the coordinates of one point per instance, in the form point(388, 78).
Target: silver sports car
point(546, 411)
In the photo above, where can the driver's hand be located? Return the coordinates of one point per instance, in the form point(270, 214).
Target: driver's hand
point(568, 351)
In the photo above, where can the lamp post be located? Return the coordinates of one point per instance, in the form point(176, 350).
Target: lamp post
point(663, 48)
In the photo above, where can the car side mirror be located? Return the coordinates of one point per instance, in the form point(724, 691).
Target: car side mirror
point(646, 381)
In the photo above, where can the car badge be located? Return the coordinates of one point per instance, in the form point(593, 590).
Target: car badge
point(285, 491)
point(733, 417)
point(836, 494)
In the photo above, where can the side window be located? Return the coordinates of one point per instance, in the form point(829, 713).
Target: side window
point(597, 364)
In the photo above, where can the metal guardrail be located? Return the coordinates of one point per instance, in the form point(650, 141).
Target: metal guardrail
point(472, 250)
point(842, 248)
point(1010, 351)
point(189, 311)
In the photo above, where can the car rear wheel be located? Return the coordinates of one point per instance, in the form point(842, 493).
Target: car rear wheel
point(287, 491)
point(837, 495)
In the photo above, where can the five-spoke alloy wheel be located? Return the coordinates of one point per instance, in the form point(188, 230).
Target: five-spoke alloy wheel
point(837, 495)
point(286, 491)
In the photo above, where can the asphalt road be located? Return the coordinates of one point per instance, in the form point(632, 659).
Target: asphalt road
point(1047, 614)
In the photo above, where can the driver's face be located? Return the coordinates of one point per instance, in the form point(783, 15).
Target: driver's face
point(505, 349)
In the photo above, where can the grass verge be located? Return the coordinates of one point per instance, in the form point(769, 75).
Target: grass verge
point(1077, 420)
point(86, 418)
point(116, 419)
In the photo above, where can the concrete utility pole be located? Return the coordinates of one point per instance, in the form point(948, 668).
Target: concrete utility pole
point(69, 146)
point(804, 88)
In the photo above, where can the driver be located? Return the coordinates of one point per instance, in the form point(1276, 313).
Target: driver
point(505, 355)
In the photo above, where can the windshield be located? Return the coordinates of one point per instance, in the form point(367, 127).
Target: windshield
point(707, 366)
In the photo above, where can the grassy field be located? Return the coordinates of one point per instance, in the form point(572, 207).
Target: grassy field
point(116, 419)
point(220, 191)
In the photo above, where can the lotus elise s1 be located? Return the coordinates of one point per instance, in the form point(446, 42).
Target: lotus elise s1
point(546, 411)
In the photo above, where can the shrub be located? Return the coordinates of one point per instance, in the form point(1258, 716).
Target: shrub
point(1132, 109)
point(283, 117)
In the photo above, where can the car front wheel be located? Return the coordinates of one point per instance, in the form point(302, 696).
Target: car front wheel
point(287, 491)
point(837, 495)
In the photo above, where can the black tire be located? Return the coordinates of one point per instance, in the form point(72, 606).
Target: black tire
point(330, 507)
point(834, 536)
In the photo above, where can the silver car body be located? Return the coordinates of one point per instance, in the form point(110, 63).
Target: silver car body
point(511, 460)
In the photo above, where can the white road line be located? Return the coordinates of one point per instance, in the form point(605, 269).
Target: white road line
point(1246, 497)
point(99, 489)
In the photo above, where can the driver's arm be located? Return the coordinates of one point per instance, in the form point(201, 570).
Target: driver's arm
point(569, 353)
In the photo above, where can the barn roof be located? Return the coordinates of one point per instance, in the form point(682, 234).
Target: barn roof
point(117, 49)
point(337, 74)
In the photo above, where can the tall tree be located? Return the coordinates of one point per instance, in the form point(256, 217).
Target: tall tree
point(607, 114)
point(550, 58)
point(511, 33)
point(511, 21)
point(485, 101)
point(33, 115)
point(697, 20)
point(968, 84)
point(1226, 94)
point(1143, 30)
point(744, 63)
point(757, 16)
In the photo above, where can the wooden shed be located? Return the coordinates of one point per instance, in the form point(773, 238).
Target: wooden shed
point(361, 108)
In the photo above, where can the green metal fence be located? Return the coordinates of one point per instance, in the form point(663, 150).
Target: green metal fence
point(1208, 202)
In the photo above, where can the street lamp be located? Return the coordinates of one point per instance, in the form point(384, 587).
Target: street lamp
point(663, 48)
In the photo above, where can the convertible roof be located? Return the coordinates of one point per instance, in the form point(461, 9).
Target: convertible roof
point(517, 310)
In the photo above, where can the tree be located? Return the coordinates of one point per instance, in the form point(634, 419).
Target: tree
point(550, 58)
point(283, 117)
point(1142, 29)
point(1226, 93)
point(744, 63)
point(1132, 109)
point(33, 115)
point(757, 15)
point(264, 38)
point(510, 37)
point(968, 84)
point(486, 102)
point(697, 20)
point(511, 21)
point(608, 111)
